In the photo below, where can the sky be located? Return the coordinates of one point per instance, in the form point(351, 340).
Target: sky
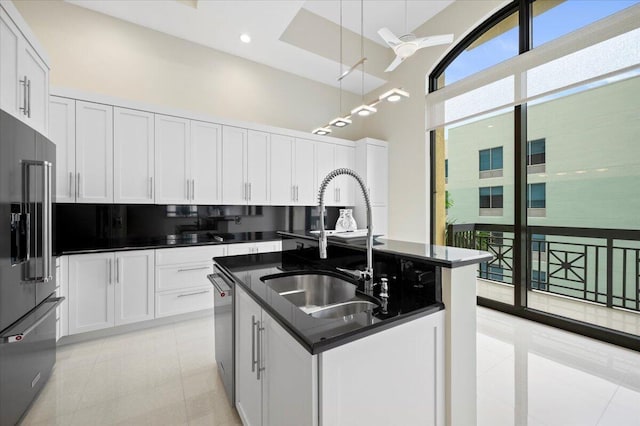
point(553, 23)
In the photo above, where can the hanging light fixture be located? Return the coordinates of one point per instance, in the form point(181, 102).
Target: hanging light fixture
point(341, 121)
point(363, 110)
point(321, 131)
point(393, 95)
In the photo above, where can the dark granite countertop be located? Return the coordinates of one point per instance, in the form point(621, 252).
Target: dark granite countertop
point(408, 299)
point(448, 257)
point(91, 245)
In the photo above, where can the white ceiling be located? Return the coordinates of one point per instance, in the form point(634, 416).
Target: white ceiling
point(219, 23)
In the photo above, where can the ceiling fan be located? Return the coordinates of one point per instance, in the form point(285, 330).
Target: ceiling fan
point(408, 44)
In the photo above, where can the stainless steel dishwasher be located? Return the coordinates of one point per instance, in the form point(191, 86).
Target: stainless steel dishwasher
point(224, 326)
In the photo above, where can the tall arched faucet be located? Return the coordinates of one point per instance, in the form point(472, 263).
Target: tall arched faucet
point(367, 274)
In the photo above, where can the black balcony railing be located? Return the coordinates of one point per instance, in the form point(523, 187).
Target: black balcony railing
point(593, 264)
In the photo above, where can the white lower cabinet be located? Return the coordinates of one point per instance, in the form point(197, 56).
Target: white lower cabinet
point(276, 379)
point(254, 248)
point(107, 289)
point(393, 377)
point(62, 290)
point(181, 279)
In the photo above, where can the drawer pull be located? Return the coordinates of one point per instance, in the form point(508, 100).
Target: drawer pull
point(194, 269)
point(193, 294)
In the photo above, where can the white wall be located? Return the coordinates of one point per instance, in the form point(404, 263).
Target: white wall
point(97, 53)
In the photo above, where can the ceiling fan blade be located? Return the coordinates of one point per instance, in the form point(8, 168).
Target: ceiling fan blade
point(392, 66)
point(389, 37)
point(434, 40)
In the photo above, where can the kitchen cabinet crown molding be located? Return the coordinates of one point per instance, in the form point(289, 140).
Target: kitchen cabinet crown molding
point(191, 115)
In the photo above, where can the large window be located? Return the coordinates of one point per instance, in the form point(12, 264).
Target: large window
point(559, 119)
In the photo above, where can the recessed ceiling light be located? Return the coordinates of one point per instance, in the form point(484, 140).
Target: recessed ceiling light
point(340, 122)
point(364, 110)
point(245, 38)
point(601, 170)
point(321, 131)
point(394, 95)
point(580, 172)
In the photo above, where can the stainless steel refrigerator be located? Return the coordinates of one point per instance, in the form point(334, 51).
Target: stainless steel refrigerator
point(27, 269)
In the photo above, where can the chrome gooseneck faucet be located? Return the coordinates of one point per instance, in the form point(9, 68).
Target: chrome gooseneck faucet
point(367, 274)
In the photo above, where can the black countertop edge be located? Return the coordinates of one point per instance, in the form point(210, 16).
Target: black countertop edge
point(266, 236)
point(381, 246)
point(333, 342)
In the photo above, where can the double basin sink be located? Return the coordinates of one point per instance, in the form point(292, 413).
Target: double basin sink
point(320, 294)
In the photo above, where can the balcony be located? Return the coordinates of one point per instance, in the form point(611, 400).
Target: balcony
point(586, 274)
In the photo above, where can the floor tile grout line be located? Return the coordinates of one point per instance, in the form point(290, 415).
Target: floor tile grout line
point(608, 405)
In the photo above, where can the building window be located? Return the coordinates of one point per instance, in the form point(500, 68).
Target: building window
point(491, 199)
point(536, 196)
point(538, 243)
point(538, 280)
point(536, 156)
point(490, 162)
point(490, 272)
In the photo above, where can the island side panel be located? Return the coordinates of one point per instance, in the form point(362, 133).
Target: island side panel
point(395, 377)
point(459, 298)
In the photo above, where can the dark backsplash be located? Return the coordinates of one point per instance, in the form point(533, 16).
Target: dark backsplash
point(99, 226)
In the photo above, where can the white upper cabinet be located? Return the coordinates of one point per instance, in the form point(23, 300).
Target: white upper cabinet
point(345, 157)
point(282, 186)
point(10, 88)
point(292, 176)
point(257, 167)
point(24, 75)
point(133, 152)
point(245, 166)
point(36, 73)
point(341, 190)
point(372, 163)
point(173, 184)
point(303, 178)
point(94, 153)
point(234, 143)
point(62, 131)
point(206, 158)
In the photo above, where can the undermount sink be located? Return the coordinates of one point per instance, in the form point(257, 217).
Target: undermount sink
point(340, 310)
point(319, 294)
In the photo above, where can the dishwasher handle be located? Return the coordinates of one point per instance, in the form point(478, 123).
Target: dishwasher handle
point(216, 284)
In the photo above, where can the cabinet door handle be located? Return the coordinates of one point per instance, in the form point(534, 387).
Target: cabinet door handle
point(260, 363)
point(23, 108)
point(253, 343)
point(188, 197)
point(293, 192)
point(70, 184)
point(193, 294)
point(28, 103)
point(117, 270)
point(110, 271)
point(249, 191)
point(297, 193)
point(78, 185)
point(244, 191)
point(193, 269)
point(193, 189)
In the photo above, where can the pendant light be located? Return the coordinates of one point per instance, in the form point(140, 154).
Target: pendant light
point(363, 110)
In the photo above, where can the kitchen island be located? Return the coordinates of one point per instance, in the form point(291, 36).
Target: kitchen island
point(409, 361)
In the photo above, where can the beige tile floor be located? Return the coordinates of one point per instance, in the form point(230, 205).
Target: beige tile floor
point(160, 376)
point(528, 374)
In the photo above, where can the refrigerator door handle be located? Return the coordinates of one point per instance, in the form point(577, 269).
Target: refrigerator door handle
point(30, 322)
point(46, 221)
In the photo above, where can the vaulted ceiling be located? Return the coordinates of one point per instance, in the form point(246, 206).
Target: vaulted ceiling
point(298, 36)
